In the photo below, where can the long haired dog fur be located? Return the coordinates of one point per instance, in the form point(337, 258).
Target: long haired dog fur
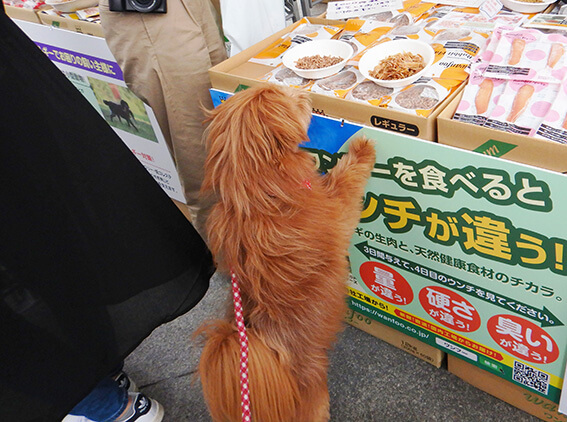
point(287, 244)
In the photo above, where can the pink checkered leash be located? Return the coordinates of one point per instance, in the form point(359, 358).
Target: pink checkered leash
point(244, 390)
point(243, 338)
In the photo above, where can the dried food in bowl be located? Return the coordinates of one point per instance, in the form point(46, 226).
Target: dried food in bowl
point(409, 48)
point(527, 6)
point(316, 51)
point(317, 62)
point(398, 66)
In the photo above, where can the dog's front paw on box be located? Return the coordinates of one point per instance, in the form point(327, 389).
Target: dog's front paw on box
point(363, 149)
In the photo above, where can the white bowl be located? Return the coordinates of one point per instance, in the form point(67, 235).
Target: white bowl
point(372, 57)
point(71, 5)
point(322, 48)
point(526, 7)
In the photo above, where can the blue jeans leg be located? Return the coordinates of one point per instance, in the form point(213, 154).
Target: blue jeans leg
point(104, 403)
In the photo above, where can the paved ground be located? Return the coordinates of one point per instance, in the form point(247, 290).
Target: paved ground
point(369, 380)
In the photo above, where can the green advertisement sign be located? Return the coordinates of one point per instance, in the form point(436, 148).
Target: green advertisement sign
point(465, 252)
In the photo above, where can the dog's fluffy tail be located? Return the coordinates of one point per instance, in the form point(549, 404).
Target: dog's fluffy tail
point(273, 390)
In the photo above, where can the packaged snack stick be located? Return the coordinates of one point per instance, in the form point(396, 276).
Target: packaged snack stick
point(490, 48)
point(522, 106)
point(480, 97)
point(477, 21)
point(338, 85)
point(529, 54)
point(554, 125)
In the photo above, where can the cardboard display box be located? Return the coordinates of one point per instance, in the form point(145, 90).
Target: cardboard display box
point(237, 70)
point(520, 148)
point(28, 15)
point(69, 24)
point(516, 396)
point(409, 344)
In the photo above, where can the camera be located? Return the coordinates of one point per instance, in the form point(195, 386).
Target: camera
point(143, 6)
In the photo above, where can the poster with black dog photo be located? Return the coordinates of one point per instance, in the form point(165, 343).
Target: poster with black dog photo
point(89, 65)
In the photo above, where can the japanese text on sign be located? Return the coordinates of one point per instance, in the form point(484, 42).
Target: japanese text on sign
point(358, 8)
point(477, 232)
point(82, 61)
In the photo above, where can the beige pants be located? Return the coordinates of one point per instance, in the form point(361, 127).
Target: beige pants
point(165, 59)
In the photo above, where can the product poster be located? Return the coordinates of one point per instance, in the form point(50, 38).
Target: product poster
point(466, 252)
point(89, 65)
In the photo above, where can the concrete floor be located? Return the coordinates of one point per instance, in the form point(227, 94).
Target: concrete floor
point(369, 380)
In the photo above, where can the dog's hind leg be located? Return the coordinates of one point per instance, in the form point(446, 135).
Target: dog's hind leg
point(132, 124)
point(130, 117)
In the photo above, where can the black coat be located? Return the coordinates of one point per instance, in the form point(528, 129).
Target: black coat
point(93, 254)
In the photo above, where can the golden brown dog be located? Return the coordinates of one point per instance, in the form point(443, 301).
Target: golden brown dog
point(287, 243)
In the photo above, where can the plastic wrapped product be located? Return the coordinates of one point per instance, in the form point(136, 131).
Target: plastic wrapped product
point(522, 106)
point(529, 54)
point(305, 31)
point(480, 96)
point(338, 85)
point(554, 125)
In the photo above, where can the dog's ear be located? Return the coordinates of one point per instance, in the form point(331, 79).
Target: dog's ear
point(260, 124)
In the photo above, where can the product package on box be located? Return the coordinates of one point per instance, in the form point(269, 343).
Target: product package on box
point(411, 110)
point(462, 251)
point(457, 35)
point(532, 150)
point(513, 104)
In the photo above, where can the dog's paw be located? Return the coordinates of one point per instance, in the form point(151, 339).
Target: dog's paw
point(363, 149)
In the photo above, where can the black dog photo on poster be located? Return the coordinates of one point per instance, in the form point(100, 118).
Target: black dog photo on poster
point(122, 109)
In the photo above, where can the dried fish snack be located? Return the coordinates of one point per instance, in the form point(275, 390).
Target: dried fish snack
point(398, 66)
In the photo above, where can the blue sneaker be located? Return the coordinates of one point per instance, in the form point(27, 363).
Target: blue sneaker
point(141, 408)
